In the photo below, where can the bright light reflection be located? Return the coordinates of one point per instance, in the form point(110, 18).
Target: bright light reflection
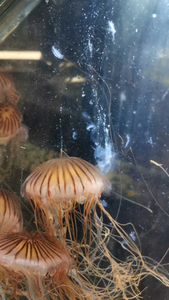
point(21, 55)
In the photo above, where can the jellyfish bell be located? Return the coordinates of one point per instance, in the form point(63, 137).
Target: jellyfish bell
point(63, 179)
point(10, 124)
point(8, 92)
point(34, 252)
point(11, 219)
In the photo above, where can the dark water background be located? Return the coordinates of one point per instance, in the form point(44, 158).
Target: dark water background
point(118, 51)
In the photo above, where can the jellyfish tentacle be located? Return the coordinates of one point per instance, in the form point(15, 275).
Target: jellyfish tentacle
point(98, 233)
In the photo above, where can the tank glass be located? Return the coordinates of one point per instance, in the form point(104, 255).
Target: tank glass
point(90, 79)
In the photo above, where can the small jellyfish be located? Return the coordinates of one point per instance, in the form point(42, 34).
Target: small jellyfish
point(8, 92)
point(11, 124)
point(40, 263)
point(10, 212)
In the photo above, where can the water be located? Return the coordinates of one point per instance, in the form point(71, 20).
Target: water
point(95, 84)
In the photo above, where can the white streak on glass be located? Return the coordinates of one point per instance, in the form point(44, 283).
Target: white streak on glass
point(150, 141)
point(123, 97)
point(128, 141)
point(123, 243)
point(90, 45)
point(74, 135)
point(132, 235)
point(111, 29)
point(104, 157)
point(56, 52)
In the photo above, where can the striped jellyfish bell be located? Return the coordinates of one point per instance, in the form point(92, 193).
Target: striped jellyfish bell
point(11, 219)
point(64, 179)
point(32, 252)
point(10, 123)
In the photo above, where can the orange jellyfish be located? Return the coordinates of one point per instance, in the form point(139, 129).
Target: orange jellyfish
point(67, 190)
point(39, 263)
point(10, 212)
point(59, 185)
point(11, 124)
point(8, 92)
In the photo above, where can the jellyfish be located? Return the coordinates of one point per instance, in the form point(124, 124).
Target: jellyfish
point(59, 185)
point(10, 212)
point(67, 190)
point(8, 92)
point(39, 266)
point(11, 124)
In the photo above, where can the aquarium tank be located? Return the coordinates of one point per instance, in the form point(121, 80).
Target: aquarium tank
point(84, 149)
